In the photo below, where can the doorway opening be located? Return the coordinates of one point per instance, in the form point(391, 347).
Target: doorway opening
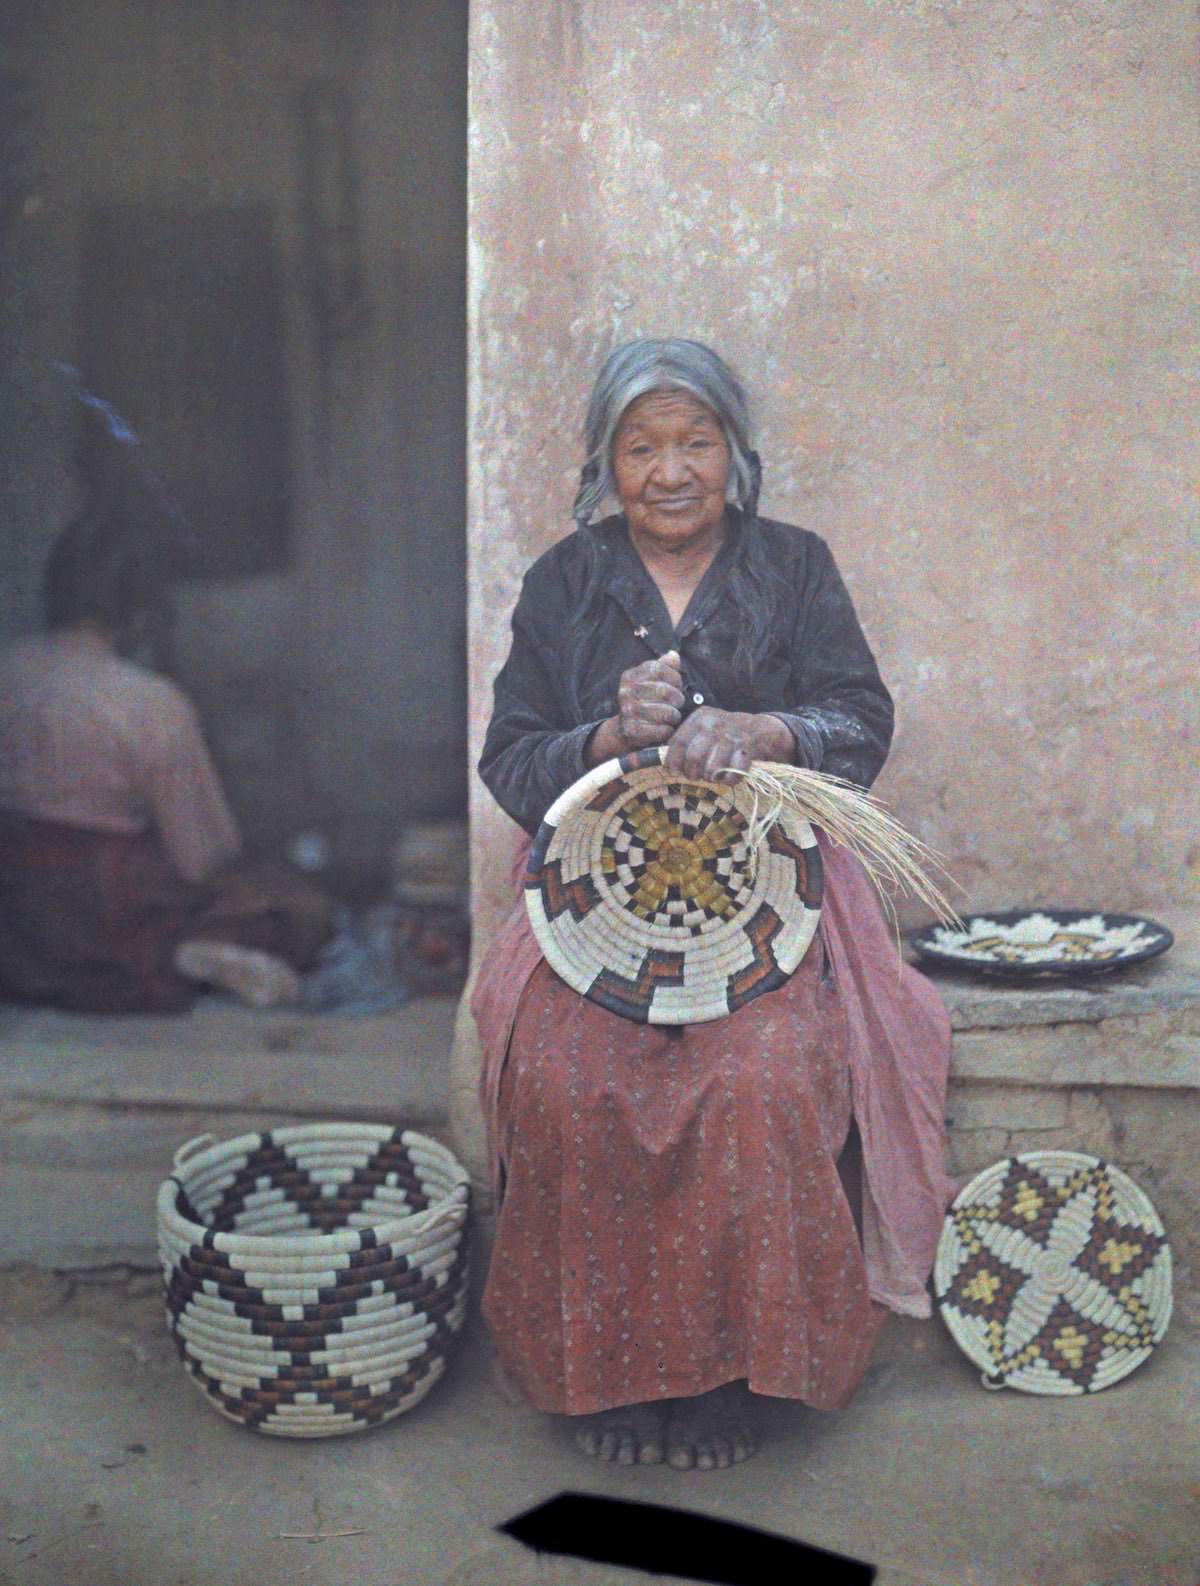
point(244, 229)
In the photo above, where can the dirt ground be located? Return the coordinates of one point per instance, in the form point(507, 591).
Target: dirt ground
point(115, 1472)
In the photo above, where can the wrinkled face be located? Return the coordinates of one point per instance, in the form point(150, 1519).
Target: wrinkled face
point(671, 463)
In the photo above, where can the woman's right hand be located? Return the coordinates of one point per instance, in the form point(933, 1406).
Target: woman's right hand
point(650, 706)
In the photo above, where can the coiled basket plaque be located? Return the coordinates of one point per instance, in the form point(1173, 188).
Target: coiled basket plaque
point(1053, 1273)
point(645, 896)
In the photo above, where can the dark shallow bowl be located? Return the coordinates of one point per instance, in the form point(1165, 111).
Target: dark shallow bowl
point(1022, 945)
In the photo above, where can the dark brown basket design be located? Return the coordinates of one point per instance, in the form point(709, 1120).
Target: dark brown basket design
point(1053, 1273)
point(316, 1276)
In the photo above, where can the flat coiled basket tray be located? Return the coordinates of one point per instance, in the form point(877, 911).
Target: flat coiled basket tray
point(645, 896)
point(316, 1275)
point(1053, 1273)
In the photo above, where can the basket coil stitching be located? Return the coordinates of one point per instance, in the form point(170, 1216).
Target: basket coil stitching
point(1053, 1273)
point(646, 897)
point(307, 1332)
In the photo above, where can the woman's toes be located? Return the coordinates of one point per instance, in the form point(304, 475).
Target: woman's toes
point(682, 1439)
point(710, 1432)
point(630, 1436)
point(648, 1434)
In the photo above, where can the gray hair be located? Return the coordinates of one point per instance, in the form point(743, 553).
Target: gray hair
point(665, 364)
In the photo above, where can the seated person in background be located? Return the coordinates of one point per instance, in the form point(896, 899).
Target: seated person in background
point(122, 886)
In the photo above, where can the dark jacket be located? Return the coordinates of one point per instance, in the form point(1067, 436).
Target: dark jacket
point(814, 670)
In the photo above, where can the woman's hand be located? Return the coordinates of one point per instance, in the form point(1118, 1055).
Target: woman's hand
point(650, 708)
point(711, 741)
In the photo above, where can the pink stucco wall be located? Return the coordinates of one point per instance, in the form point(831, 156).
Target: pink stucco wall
point(953, 249)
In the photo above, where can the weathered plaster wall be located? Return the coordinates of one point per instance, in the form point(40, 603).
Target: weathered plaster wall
point(334, 693)
point(953, 249)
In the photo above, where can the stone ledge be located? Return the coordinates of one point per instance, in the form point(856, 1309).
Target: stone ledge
point(381, 1068)
point(307, 1085)
point(1149, 1053)
point(1139, 1031)
point(59, 1162)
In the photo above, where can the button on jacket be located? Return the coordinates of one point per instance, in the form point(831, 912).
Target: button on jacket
point(813, 668)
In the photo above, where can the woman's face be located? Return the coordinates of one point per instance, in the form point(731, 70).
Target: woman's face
point(671, 464)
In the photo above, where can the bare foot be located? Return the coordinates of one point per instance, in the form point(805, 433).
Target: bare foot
point(257, 978)
point(630, 1435)
point(712, 1431)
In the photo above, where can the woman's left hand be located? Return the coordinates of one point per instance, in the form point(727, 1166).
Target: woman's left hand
point(711, 741)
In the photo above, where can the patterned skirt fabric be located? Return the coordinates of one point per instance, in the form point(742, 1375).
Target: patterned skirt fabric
point(672, 1217)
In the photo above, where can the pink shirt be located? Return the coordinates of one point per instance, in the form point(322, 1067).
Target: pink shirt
point(90, 740)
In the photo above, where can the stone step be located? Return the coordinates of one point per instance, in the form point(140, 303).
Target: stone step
point(226, 1058)
point(92, 1110)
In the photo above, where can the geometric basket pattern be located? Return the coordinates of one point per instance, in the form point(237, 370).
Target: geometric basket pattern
point(644, 896)
point(1043, 943)
point(316, 1275)
point(1053, 1273)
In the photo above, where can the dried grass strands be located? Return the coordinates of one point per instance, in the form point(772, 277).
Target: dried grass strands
point(893, 858)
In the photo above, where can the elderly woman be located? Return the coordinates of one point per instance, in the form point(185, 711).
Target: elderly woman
point(674, 1235)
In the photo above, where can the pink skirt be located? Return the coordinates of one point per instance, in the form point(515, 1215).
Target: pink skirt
point(671, 1216)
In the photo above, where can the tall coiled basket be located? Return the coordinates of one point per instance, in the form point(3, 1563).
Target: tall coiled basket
point(316, 1275)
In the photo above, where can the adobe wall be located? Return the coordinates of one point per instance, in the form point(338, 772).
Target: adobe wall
point(952, 249)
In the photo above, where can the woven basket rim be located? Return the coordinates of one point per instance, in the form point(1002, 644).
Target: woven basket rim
point(1052, 1159)
point(403, 1231)
point(325, 1132)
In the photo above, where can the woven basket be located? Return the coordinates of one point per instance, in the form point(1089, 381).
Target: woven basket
point(1053, 1273)
point(644, 895)
point(316, 1276)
